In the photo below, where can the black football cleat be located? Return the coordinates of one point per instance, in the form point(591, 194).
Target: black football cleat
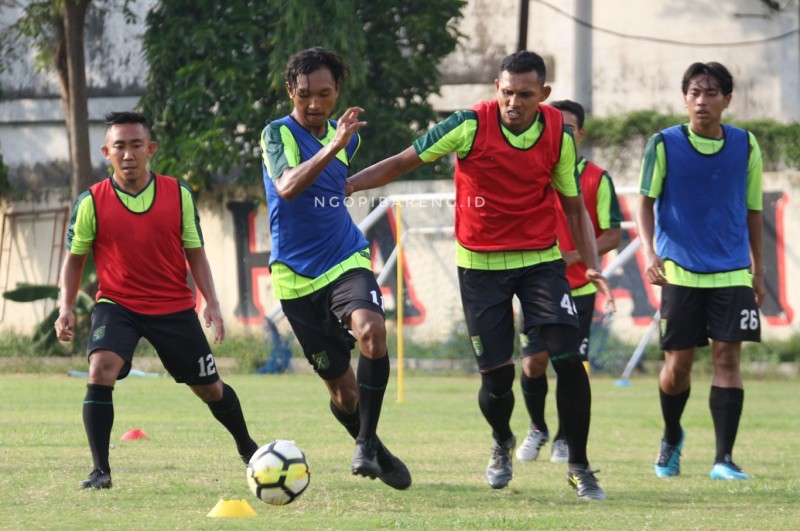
point(97, 480)
point(393, 471)
point(365, 459)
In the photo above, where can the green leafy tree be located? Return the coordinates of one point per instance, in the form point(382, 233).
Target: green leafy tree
point(55, 28)
point(216, 75)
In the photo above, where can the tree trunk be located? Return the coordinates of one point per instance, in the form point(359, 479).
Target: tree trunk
point(72, 72)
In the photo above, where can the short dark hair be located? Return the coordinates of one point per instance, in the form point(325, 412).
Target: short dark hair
point(715, 70)
point(311, 60)
point(126, 117)
point(571, 106)
point(524, 61)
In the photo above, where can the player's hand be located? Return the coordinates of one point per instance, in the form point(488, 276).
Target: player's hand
point(759, 289)
point(213, 315)
point(346, 126)
point(348, 188)
point(654, 270)
point(65, 325)
point(601, 283)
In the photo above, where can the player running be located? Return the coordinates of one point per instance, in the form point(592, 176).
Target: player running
point(601, 202)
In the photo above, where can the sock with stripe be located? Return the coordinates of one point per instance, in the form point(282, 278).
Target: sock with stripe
point(98, 419)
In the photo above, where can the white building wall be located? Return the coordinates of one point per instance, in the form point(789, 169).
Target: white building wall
point(629, 74)
point(635, 66)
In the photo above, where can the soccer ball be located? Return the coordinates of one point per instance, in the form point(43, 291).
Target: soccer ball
point(278, 472)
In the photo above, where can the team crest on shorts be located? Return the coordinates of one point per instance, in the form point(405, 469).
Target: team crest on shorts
point(477, 346)
point(663, 326)
point(321, 360)
point(99, 333)
point(524, 341)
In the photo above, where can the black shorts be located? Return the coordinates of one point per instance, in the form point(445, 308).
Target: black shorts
point(178, 338)
point(532, 343)
point(544, 295)
point(690, 316)
point(320, 320)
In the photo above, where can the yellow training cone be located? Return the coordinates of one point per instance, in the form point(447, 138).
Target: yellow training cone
point(231, 509)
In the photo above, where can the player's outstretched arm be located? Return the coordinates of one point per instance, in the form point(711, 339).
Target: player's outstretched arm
point(294, 181)
point(385, 171)
point(201, 271)
point(71, 273)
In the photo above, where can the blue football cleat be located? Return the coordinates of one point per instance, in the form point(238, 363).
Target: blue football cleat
point(727, 470)
point(668, 463)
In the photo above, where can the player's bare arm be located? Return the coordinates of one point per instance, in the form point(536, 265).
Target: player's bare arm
point(582, 231)
point(608, 240)
point(71, 273)
point(645, 226)
point(754, 227)
point(385, 171)
point(294, 181)
point(201, 272)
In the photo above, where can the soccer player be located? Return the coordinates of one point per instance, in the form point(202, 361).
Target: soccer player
point(320, 263)
point(142, 229)
point(601, 203)
point(704, 179)
point(513, 156)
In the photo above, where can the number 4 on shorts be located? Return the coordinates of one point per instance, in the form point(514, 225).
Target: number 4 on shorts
point(568, 304)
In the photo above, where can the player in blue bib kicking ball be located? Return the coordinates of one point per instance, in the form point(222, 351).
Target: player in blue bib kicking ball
point(320, 264)
point(704, 180)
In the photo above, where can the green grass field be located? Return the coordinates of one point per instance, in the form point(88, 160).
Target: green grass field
point(172, 480)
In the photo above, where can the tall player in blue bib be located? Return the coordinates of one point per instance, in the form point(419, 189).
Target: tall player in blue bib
point(319, 263)
point(703, 179)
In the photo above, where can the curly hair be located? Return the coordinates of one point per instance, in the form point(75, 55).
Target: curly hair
point(311, 60)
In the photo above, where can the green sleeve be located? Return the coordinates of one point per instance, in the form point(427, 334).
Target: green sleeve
point(565, 173)
point(82, 225)
point(454, 134)
point(279, 149)
point(609, 215)
point(754, 176)
point(190, 220)
point(654, 167)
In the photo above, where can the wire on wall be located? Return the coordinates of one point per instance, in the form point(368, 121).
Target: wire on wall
point(667, 41)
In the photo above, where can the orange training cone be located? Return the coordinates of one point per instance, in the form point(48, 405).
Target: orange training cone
point(132, 435)
point(232, 509)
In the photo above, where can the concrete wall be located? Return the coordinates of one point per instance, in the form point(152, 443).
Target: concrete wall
point(238, 245)
point(635, 52)
point(33, 136)
point(634, 55)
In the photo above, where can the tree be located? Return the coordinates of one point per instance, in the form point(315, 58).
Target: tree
point(56, 29)
point(216, 73)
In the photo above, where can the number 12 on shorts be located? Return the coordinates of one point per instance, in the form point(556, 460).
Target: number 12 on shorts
point(207, 366)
